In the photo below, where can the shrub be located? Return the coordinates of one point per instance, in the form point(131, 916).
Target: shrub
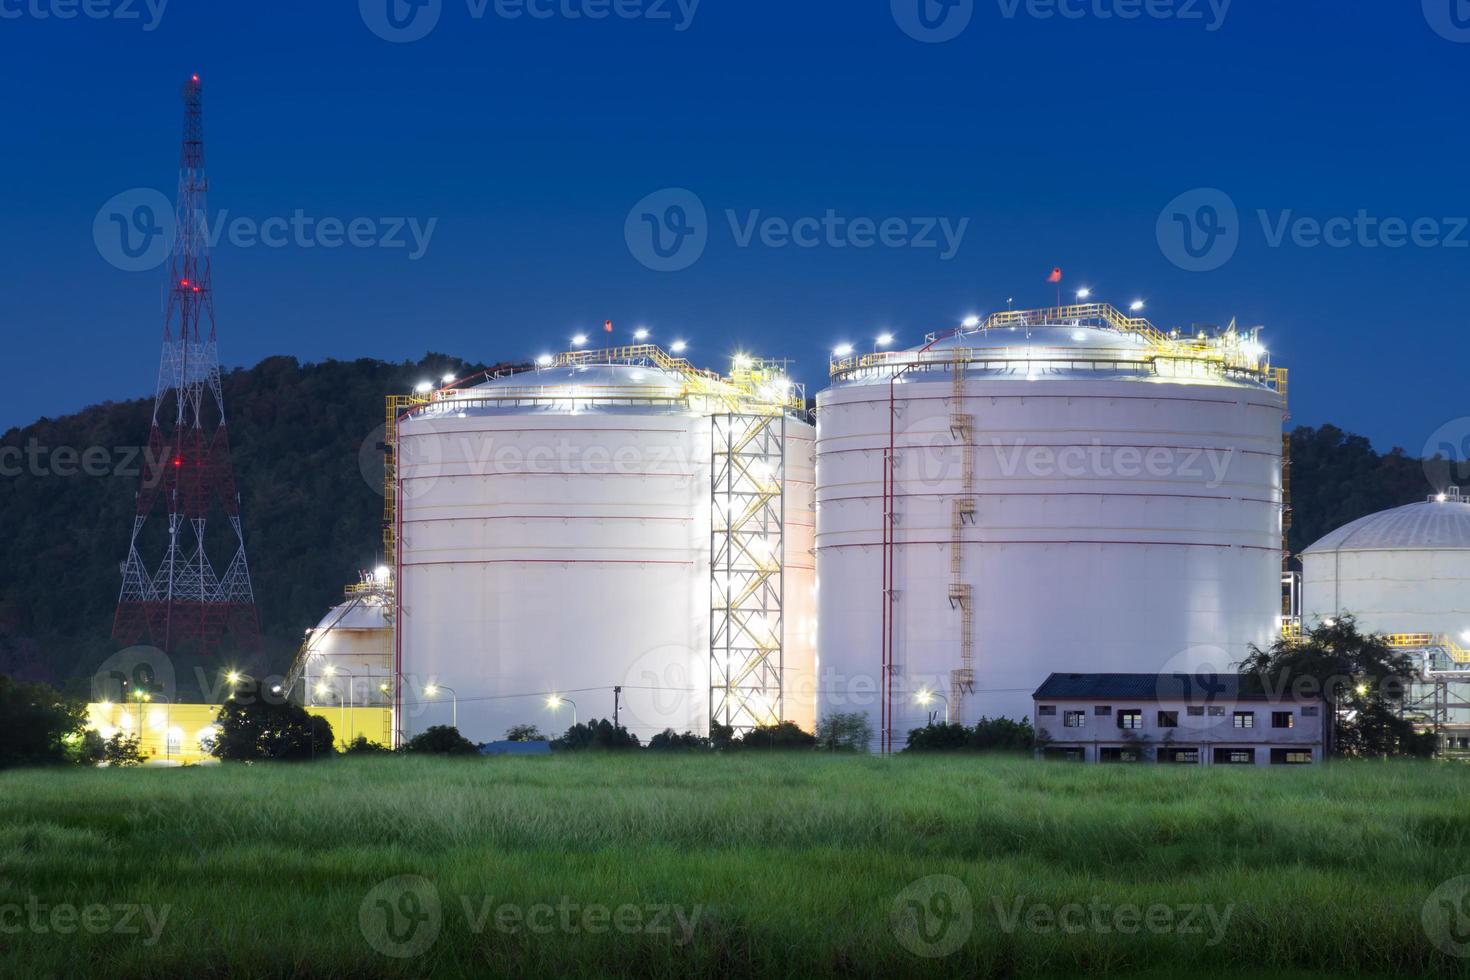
point(988, 735)
point(669, 740)
point(362, 745)
point(252, 728)
point(845, 732)
point(441, 740)
point(783, 735)
point(122, 751)
point(595, 734)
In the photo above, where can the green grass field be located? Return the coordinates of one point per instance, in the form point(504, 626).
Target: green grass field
point(802, 865)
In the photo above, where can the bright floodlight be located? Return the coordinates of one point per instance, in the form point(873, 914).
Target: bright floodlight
point(884, 339)
point(842, 350)
point(1441, 497)
point(1465, 637)
point(579, 340)
point(1083, 293)
point(1362, 689)
point(381, 573)
point(640, 334)
point(449, 379)
point(544, 360)
point(924, 697)
point(553, 701)
point(431, 690)
point(424, 387)
point(233, 677)
point(1136, 305)
point(970, 322)
point(678, 347)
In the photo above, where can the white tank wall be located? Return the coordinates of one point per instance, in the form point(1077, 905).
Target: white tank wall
point(570, 553)
point(1390, 591)
point(1145, 553)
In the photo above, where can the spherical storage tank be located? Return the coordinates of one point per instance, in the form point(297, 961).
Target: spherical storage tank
point(1405, 570)
point(612, 519)
point(1069, 490)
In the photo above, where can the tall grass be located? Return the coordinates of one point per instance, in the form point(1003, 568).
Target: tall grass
point(795, 864)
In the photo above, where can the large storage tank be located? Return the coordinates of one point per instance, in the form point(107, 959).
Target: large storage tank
point(1069, 490)
point(346, 662)
point(1405, 570)
point(612, 519)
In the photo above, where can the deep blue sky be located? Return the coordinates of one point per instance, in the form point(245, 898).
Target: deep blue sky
point(529, 141)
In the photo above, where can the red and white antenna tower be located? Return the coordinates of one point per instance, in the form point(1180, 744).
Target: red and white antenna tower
point(190, 477)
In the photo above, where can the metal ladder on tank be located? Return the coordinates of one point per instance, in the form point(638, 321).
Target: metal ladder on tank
point(962, 513)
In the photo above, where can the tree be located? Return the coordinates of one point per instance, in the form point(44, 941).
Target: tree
point(669, 740)
point(841, 732)
point(595, 734)
point(122, 751)
point(782, 735)
point(524, 733)
point(940, 736)
point(441, 740)
point(38, 725)
point(1361, 680)
point(253, 728)
point(721, 736)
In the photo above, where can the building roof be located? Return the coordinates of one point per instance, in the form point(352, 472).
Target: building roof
point(1155, 687)
point(1430, 525)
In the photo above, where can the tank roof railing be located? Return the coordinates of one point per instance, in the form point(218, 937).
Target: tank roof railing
point(1235, 353)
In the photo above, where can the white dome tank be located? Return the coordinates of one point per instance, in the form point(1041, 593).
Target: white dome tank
point(556, 537)
point(1085, 494)
point(1405, 570)
point(347, 661)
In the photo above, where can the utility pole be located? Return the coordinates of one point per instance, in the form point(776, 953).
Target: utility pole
point(617, 699)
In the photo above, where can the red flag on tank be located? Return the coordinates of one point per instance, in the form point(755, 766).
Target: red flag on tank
point(1056, 275)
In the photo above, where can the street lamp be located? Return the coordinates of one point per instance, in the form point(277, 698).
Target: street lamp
point(556, 701)
point(882, 340)
point(433, 691)
point(926, 698)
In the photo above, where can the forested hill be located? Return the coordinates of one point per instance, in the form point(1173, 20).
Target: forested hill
point(313, 509)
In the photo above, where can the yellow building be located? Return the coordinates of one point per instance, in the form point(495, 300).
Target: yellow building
point(180, 734)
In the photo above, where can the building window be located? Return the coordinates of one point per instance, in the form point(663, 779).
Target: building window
point(1283, 719)
point(1182, 756)
point(1103, 710)
point(1074, 719)
point(1310, 711)
point(1047, 711)
point(1120, 754)
point(1245, 719)
point(1291, 757)
point(1217, 711)
point(1235, 757)
point(1168, 719)
point(1065, 753)
point(1132, 718)
point(1195, 710)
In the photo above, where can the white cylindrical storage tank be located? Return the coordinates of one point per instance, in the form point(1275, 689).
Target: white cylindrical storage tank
point(1083, 494)
point(1405, 570)
point(555, 537)
point(347, 662)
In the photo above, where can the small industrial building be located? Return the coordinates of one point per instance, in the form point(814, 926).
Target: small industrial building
point(1177, 719)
